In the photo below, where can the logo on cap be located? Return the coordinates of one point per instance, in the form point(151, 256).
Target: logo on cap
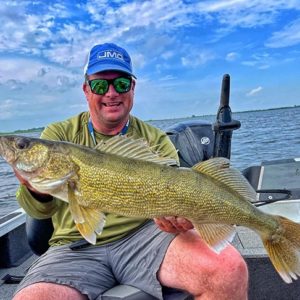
point(110, 54)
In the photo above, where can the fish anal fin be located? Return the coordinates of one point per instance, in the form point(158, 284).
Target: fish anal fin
point(219, 169)
point(217, 236)
point(133, 148)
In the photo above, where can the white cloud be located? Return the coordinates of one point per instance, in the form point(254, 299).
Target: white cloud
point(18, 73)
point(288, 36)
point(261, 61)
point(232, 56)
point(167, 77)
point(150, 24)
point(254, 91)
point(244, 13)
point(195, 59)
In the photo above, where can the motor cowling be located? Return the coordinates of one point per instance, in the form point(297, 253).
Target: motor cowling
point(194, 141)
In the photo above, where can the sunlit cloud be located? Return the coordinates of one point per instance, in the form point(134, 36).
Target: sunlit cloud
point(232, 56)
point(254, 91)
point(288, 36)
point(194, 59)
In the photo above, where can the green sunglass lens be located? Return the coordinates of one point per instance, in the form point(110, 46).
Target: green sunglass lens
point(99, 86)
point(122, 85)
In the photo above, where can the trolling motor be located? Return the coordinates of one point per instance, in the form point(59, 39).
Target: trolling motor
point(224, 124)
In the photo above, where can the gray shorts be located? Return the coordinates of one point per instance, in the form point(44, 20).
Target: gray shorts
point(133, 260)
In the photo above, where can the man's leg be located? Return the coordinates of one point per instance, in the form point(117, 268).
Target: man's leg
point(189, 264)
point(62, 274)
point(49, 291)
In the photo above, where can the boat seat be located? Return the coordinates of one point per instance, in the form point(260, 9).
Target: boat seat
point(194, 142)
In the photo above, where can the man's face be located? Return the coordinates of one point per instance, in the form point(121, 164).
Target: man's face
point(112, 108)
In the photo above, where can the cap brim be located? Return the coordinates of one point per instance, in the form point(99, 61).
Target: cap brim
point(103, 68)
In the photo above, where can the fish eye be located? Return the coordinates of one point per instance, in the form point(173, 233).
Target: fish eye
point(22, 143)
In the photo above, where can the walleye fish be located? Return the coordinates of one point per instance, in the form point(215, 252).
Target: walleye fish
point(123, 176)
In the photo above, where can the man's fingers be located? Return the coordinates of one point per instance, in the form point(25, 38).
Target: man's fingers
point(174, 224)
point(165, 225)
point(185, 224)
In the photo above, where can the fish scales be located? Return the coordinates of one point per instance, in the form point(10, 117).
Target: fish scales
point(143, 189)
point(135, 187)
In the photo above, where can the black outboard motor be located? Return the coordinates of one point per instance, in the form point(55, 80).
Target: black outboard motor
point(194, 141)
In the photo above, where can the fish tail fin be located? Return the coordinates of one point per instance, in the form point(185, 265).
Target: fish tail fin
point(283, 248)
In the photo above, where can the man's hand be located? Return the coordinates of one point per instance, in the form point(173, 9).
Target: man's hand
point(173, 224)
point(24, 181)
point(36, 194)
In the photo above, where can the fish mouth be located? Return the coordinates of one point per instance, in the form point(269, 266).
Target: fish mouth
point(5, 150)
point(3, 147)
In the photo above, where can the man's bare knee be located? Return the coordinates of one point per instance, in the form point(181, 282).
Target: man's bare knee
point(227, 278)
point(49, 291)
point(236, 272)
point(231, 277)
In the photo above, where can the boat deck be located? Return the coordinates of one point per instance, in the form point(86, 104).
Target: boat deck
point(265, 283)
point(7, 290)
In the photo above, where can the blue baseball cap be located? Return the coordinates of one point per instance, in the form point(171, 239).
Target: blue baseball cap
point(108, 57)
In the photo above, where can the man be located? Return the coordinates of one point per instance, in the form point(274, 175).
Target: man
point(132, 251)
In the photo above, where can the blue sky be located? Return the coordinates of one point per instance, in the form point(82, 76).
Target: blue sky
point(180, 51)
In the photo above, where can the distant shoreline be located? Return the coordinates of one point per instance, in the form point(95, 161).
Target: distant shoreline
point(39, 129)
point(234, 112)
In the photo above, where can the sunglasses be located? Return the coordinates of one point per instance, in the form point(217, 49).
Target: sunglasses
point(101, 86)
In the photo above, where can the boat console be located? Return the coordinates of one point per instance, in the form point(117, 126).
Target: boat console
point(277, 184)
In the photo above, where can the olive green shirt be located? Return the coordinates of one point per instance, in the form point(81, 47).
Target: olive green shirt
point(76, 130)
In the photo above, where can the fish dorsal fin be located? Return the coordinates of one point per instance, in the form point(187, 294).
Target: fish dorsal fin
point(219, 169)
point(138, 149)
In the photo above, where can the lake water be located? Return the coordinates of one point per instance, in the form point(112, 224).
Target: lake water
point(264, 135)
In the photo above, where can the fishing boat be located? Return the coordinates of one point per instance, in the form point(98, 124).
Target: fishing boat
point(276, 182)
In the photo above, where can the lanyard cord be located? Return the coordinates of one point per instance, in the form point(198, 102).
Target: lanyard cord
point(92, 132)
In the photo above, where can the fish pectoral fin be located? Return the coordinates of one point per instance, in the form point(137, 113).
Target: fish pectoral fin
point(217, 236)
point(89, 221)
point(73, 203)
point(131, 148)
point(93, 224)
